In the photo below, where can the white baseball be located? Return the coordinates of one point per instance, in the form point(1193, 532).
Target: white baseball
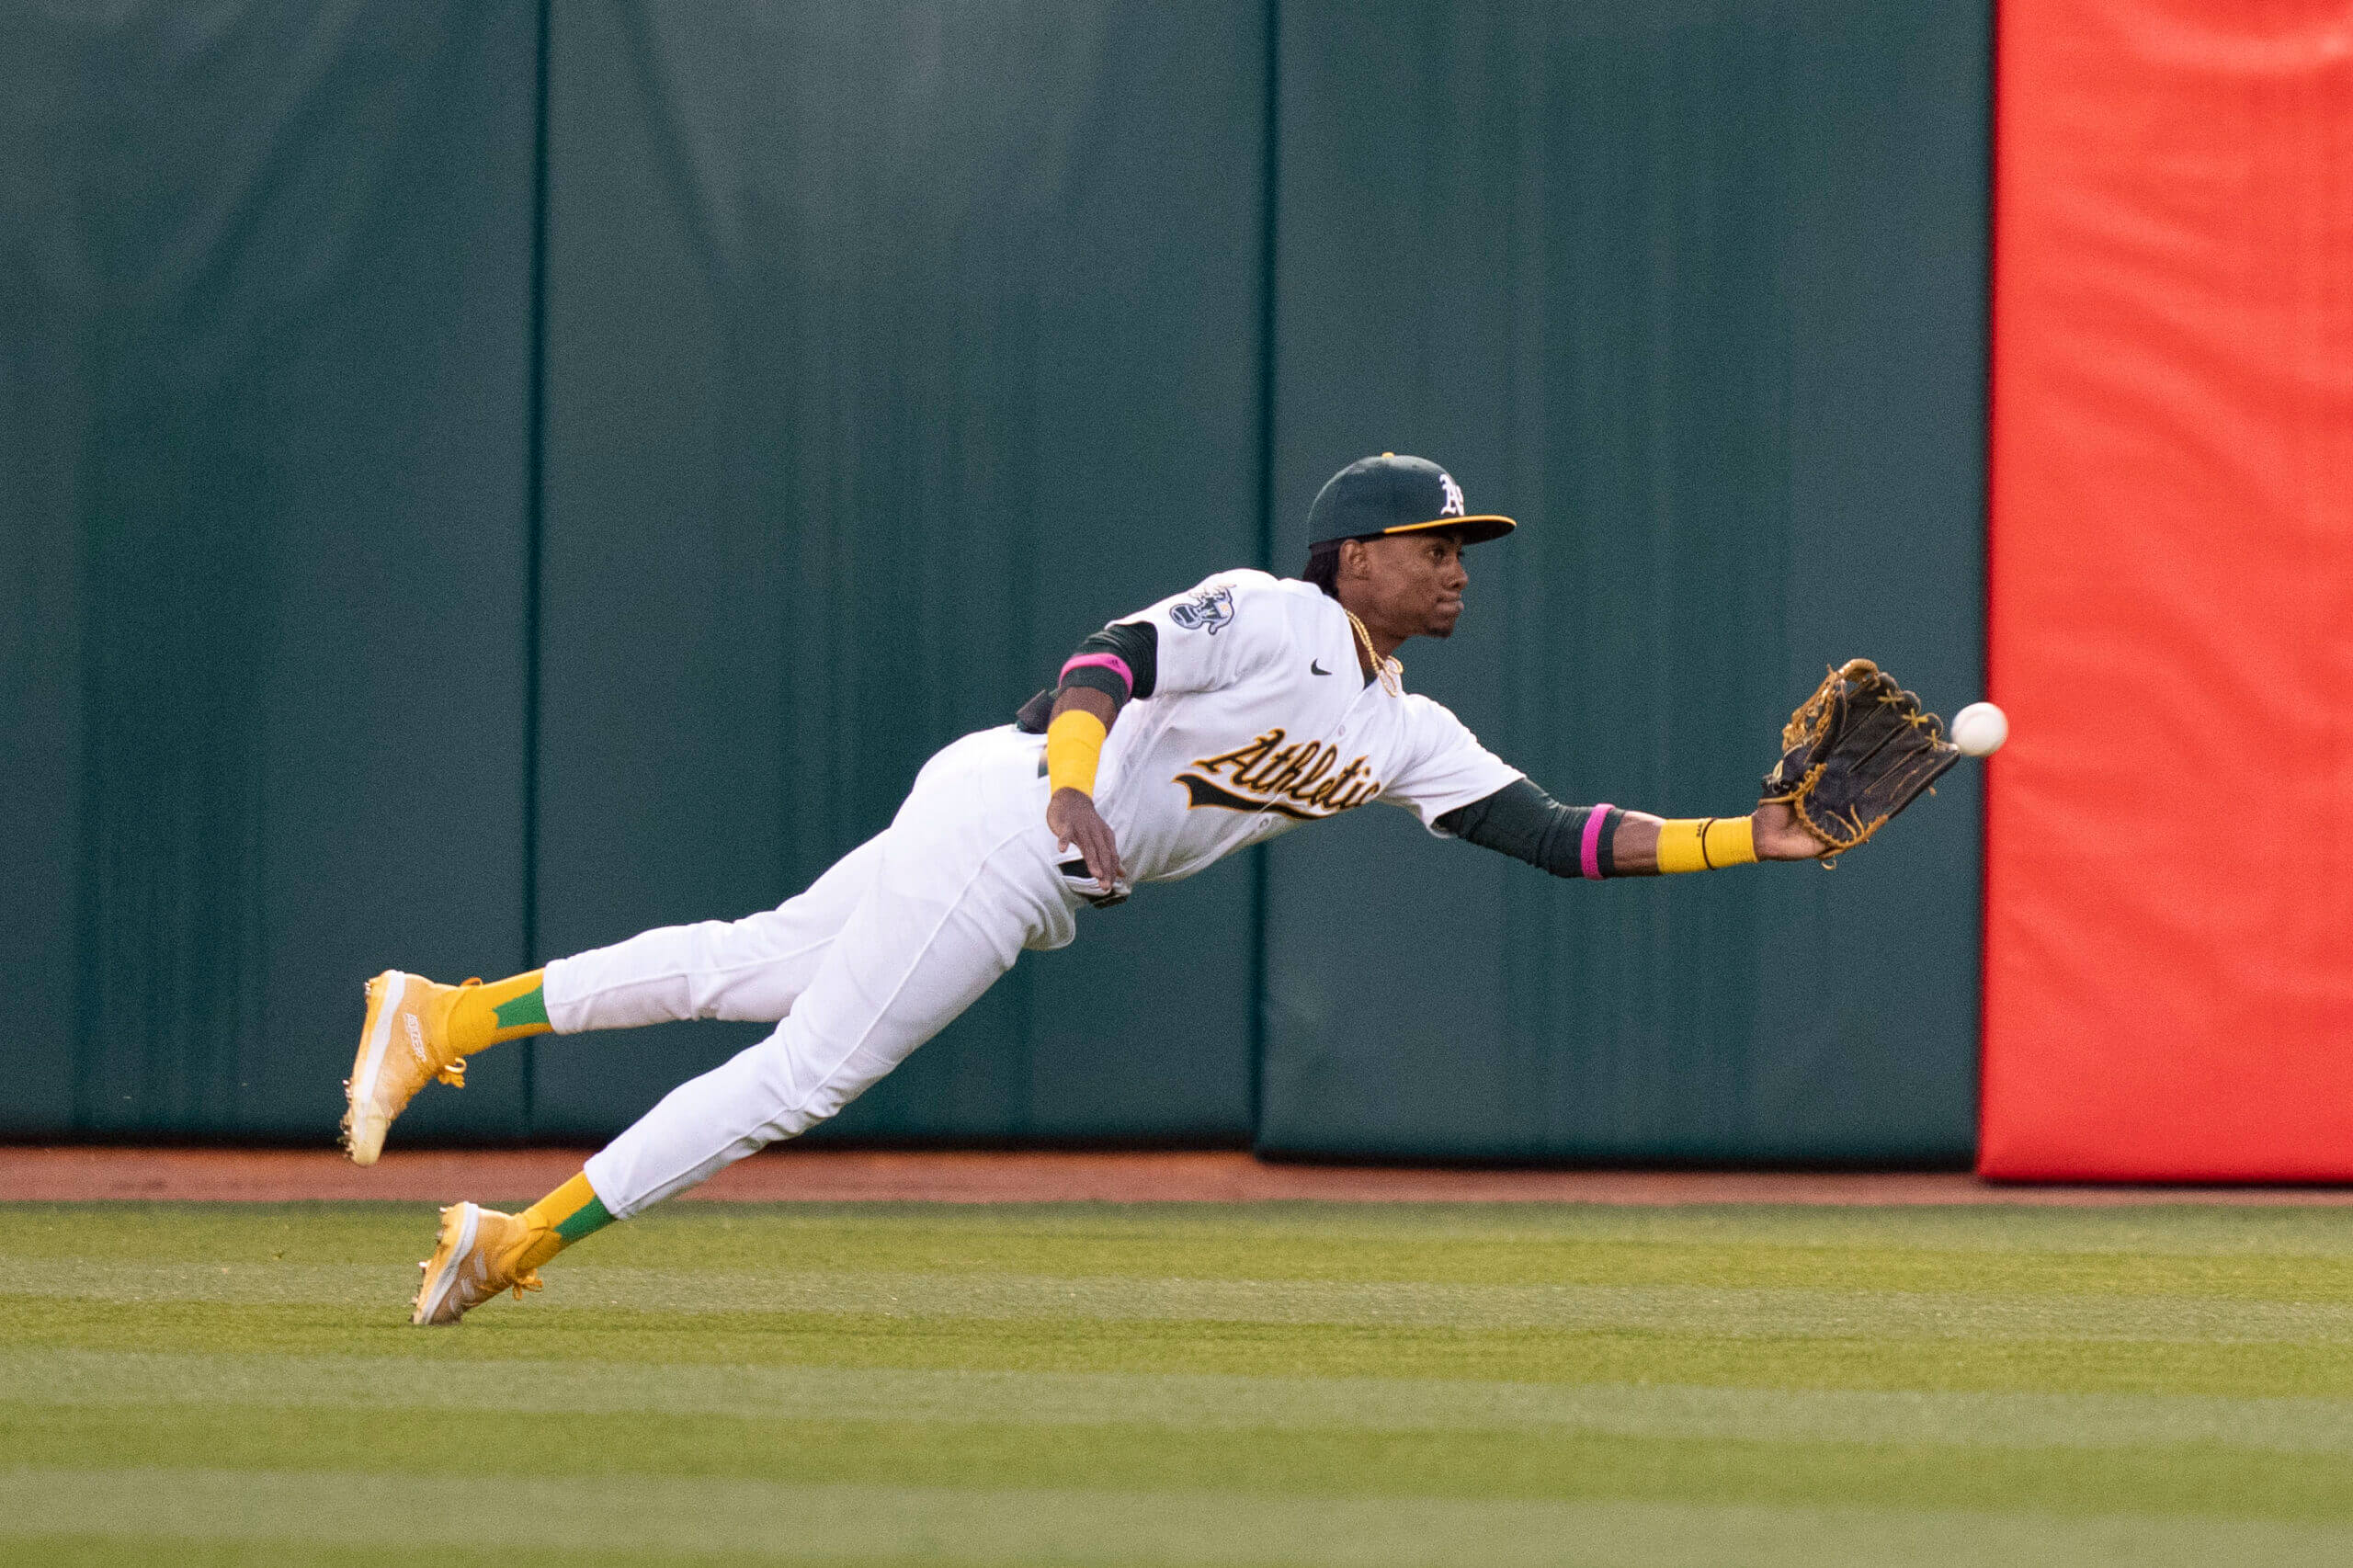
point(1980, 729)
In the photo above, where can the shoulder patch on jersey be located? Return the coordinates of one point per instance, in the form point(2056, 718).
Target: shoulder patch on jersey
point(1210, 611)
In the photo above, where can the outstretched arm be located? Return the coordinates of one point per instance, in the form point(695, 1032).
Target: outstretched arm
point(1522, 821)
point(1774, 835)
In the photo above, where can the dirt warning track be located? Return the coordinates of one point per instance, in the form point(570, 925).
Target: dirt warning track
point(842, 1175)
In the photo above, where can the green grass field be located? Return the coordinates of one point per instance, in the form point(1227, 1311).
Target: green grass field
point(1188, 1383)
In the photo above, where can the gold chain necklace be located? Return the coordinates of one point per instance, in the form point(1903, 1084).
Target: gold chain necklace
point(1391, 670)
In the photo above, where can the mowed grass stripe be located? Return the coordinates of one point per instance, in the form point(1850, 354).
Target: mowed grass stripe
point(1185, 1402)
point(1319, 1234)
point(1100, 1247)
point(773, 1521)
point(509, 1331)
point(1777, 1312)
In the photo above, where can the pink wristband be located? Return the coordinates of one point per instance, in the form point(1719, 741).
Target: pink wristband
point(1111, 661)
point(1589, 843)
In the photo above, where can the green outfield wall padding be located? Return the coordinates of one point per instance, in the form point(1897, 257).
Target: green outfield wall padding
point(1696, 291)
point(891, 350)
point(265, 388)
point(877, 353)
point(43, 398)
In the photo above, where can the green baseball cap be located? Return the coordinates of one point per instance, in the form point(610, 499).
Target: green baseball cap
point(1390, 495)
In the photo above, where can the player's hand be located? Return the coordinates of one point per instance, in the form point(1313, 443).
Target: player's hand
point(1073, 819)
point(1780, 836)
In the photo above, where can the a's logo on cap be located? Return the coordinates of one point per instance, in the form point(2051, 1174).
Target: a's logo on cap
point(1453, 507)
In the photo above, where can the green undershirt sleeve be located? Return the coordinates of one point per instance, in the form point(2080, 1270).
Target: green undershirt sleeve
point(1523, 822)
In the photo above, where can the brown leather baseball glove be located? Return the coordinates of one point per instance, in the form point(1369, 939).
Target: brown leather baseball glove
point(1856, 752)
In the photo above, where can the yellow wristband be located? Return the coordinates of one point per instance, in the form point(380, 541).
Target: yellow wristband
point(1705, 844)
point(1729, 841)
point(1679, 846)
point(1074, 747)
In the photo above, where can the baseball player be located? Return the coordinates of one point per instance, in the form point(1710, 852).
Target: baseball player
point(1238, 710)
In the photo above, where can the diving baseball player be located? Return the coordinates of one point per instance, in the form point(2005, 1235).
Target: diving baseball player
point(1238, 710)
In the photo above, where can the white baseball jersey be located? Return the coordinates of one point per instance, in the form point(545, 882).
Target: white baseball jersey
point(1260, 718)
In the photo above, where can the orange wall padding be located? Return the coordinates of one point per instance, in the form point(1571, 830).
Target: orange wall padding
point(2170, 871)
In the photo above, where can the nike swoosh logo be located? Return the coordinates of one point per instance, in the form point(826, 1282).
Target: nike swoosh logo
point(1314, 667)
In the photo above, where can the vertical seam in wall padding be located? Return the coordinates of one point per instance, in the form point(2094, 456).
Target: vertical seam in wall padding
point(534, 519)
point(1269, 198)
point(1986, 551)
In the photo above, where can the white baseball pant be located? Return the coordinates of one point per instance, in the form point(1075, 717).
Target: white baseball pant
point(898, 936)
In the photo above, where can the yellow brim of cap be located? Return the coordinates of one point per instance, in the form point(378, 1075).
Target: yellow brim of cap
point(1475, 530)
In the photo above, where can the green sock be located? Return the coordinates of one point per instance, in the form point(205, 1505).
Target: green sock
point(589, 1217)
point(562, 1218)
point(531, 1007)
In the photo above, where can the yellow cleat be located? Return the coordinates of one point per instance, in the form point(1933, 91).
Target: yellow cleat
point(478, 1255)
point(405, 1042)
